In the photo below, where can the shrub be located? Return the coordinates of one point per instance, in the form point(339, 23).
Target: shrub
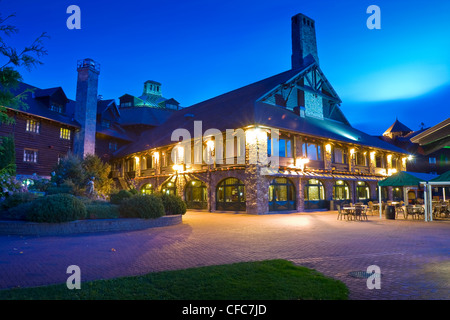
point(102, 211)
point(133, 191)
point(142, 206)
point(18, 212)
point(56, 208)
point(173, 204)
point(16, 199)
point(65, 187)
point(69, 168)
point(40, 184)
point(118, 197)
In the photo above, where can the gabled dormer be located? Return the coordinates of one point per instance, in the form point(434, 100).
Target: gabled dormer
point(107, 112)
point(127, 101)
point(308, 94)
point(54, 98)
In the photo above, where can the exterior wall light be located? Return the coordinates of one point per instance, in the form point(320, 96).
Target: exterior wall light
point(301, 162)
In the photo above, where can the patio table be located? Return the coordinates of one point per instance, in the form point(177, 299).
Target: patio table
point(352, 211)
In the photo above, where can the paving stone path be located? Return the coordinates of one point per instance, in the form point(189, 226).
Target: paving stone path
point(414, 256)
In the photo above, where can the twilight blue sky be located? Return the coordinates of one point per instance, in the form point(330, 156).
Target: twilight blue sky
point(199, 49)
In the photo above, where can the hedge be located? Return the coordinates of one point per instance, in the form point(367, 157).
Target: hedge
point(142, 206)
point(56, 208)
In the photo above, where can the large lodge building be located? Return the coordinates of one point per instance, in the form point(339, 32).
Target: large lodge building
point(317, 159)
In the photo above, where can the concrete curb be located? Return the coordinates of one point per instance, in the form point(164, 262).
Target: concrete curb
point(84, 226)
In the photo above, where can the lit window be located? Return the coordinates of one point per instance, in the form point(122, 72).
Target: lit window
point(30, 155)
point(312, 151)
point(64, 134)
point(339, 156)
point(284, 147)
point(56, 107)
point(33, 126)
point(432, 160)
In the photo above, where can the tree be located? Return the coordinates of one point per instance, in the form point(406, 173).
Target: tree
point(14, 59)
point(7, 156)
point(77, 171)
point(95, 168)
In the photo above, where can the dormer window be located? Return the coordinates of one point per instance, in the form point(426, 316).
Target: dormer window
point(56, 107)
point(106, 123)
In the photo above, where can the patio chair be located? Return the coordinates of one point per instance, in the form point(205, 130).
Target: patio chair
point(364, 213)
point(420, 211)
point(358, 211)
point(400, 209)
point(370, 208)
point(410, 212)
point(341, 213)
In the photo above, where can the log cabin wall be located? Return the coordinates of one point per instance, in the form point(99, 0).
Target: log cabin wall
point(47, 142)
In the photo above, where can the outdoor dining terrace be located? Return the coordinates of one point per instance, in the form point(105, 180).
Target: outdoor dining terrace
point(392, 210)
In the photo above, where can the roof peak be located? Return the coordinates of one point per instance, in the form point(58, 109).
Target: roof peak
point(397, 126)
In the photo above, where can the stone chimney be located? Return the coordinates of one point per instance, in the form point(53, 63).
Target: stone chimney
point(86, 107)
point(303, 40)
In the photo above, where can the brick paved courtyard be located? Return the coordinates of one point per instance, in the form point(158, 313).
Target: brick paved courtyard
point(413, 255)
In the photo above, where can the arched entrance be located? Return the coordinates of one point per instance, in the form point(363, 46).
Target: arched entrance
point(169, 188)
point(281, 195)
point(315, 195)
point(195, 195)
point(341, 191)
point(362, 191)
point(230, 195)
point(147, 189)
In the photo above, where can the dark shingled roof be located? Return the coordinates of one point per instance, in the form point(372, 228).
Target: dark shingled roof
point(37, 107)
point(143, 116)
point(239, 108)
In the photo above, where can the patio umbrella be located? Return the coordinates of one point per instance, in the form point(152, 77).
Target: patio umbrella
point(445, 177)
point(403, 179)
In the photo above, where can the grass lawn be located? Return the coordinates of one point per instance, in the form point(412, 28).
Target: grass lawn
point(261, 280)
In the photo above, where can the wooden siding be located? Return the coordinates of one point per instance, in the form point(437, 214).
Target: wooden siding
point(47, 142)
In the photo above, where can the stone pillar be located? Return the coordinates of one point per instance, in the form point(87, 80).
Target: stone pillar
point(352, 190)
point(328, 185)
point(373, 189)
point(181, 184)
point(327, 157)
point(372, 162)
point(403, 163)
point(256, 184)
point(351, 159)
point(300, 193)
point(156, 159)
point(137, 160)
point(388, 163)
